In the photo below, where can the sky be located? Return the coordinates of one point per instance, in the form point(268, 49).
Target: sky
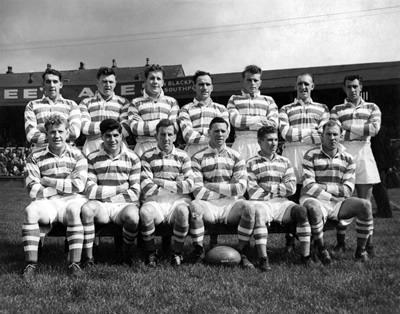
point(214, 35)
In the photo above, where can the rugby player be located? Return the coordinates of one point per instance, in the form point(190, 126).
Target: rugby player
point(166, 180)
point(250, 111)
point(105, 104)
point(195, 117)
point(271, 180)
point(36, 111)
point(57, 173)
point(113, 190)
point(329, 175)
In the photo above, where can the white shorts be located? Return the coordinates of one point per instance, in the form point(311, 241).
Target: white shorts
point(246, 144)
point(295, 153)
point(56, 206)
point(330, 210)
point(219, 209)
point(165, 205)
point(112, 210)
point(275, 209)
point(194, 148)
point(144, 144)
point(91, 145)
point(366, 169)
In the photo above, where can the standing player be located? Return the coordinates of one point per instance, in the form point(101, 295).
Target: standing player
point(56, 174)
point(103, 105)
point(271, 180)
point(167, 180)
point(145, 112)
point(113, 189)
point(300, 124)
point(329, 174)
point(250, 111)
point(220, 179)
point(38, 110)
point(360, 121)
point(195, 117)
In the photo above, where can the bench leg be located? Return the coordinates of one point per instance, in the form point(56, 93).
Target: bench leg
point(213, 240)
point(118, 242)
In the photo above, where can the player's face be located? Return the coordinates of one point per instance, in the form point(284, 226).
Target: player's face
point(352, 89)
point(52, 86)
point(112, 141)
point(330, 138)
point(251, 83)
point(304, 86)
point(218, 134)
point(57, 136)
point(106, 85)
point(154, 83)
point(165, 138)
point(269, 143)
point(203, 87)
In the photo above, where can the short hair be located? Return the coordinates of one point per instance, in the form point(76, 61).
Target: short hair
point(200, 73)
point(352, 77)
point(305, 74)
point(52, 71)
point(252, 69)
point(164, 123)
point(105, 71)
point(55, 119)
point(110, 125)
point(264, 130)
point(154, 68)
point(218, 120)
point(331, 123)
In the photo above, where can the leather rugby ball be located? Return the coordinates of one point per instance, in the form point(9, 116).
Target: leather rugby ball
point(223, 255)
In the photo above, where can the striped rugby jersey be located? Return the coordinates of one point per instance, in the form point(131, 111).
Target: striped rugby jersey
point(245, 112)
point(324, 177)
point(174, 169)
point(70, 170)
point(36, 112)
point(107, 172)
point(223, 167)
point(302, 121)
point(96, 109)
point(145, 112)
point(268, 179)
point(360, 121)
point(195, 117)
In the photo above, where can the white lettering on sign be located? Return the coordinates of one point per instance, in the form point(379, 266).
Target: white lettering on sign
point(179, 83)
point(86, 92)
point(30, 93)
point(127, 90)
point(11, 94)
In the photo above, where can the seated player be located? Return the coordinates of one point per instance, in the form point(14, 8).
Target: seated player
point(329, 175)
point(220, 179)
point(166, 180)
point(57, 173)
point(113, 189)
point(271, 180)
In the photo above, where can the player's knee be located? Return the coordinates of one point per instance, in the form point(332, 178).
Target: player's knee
point(73, 214)
point(131, 216)
point(299, 213)
point(196, 209)
point(88, 211)
point(248, 210)
point(314, 212)
point(146, 213)
point(31, 213)
point(365, 209)
point(182, 214)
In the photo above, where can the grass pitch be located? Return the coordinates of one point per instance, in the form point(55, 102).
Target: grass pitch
point(343, 287)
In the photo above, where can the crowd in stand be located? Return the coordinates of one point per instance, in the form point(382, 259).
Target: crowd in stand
point(13, 161)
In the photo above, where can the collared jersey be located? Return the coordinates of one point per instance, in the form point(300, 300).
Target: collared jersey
point(324, 176)
point(107, 172)
point(96, 109)
point(145, 112)
point(174, 169)
point(70, 170)
point(223, 167)
point(268, 179)
point(302, 121)
point(245, 112)
point(195, 117)
point(36, 112)
point(364, 119)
